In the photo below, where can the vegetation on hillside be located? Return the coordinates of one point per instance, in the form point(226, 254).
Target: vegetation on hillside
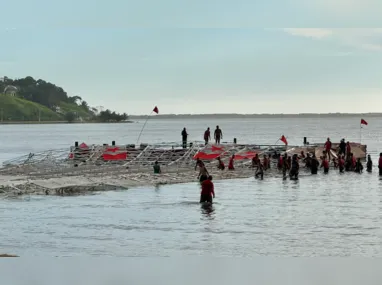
point(37, 100)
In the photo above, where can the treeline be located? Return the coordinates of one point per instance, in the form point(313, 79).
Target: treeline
point(70, 108)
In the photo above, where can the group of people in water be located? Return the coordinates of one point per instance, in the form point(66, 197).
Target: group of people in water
point(218, 135)
point(342, 160)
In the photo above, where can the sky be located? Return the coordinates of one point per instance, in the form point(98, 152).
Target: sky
point(193, 57)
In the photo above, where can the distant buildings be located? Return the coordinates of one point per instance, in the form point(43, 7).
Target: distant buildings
point(10, 90)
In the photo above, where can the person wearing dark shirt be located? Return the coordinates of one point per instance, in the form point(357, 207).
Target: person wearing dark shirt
point(221, 165)
point(199, 163)
point(259, 171)
point(380, 163)
point(208, 191)
point(314, 164)
point(342, 147)
point(207, 136)
point(157, 169)
point(218, 135)
point(184, 138)
point(293, 174)
point(358, 166)
point(369, 164)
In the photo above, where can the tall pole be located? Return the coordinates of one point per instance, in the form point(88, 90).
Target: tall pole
point(360, 133)
point(144, 127)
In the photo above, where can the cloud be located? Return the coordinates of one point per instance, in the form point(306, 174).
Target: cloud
point(365, 39)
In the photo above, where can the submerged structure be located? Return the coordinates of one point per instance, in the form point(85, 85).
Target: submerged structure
point(93, 159)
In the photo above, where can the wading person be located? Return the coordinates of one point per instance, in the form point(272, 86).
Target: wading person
point(325, 165)
point(265, 162)
point(156, 167)
point(328, 147)
point(293, 174)
point(221, 165)
point(369, 164)
point(358, 166)
point(207, 136)
point(380, 163)
point(184, 138)
point(314, 164)
point(259, 171)
point(230, 164)
point(218, 135)
point(341, 163)
point(208, 191)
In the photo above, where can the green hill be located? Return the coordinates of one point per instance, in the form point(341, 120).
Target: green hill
point(18, 109)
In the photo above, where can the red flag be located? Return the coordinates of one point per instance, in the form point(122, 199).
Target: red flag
point(283, 139)
point(156, 110)
point(363, 122)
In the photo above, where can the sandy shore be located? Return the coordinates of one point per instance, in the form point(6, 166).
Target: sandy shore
point(88, 182)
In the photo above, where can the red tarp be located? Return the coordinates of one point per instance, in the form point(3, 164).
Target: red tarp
point(114, 153)
point(245, 155)
point(83, 145)
point(209, 153)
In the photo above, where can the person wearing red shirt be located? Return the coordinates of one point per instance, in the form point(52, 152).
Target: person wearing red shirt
point(341, 163)
point(348, 149)
point(325, 165)
point(328, 147)
point(230, 164)
point(208, 191)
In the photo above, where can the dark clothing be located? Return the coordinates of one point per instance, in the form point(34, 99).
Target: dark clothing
point(358, 167)
point(203, 178)
point(206, 136)
point(294, 170)
point(207, 188)
point(326, 170)
point(218, 134)
point(343, 148)
point(205, 198)
point(157, 168)
point(314, 166)
point(369, 166)
point(184, 139)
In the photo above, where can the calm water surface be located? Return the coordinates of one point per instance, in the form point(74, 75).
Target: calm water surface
point(334, 215)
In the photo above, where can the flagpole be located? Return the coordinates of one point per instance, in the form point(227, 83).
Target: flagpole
point(144, 127)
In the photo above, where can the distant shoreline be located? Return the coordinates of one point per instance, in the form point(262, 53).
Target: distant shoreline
point(57, 122)
point(249, 116)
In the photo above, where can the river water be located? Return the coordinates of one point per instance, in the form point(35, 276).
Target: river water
point(333, 215)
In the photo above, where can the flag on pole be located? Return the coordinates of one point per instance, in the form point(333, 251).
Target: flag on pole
point(156, 110)
point(363, 122)
point(283, 139)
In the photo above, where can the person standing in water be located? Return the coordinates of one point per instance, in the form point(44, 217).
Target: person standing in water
point(358, 166)
point(208, 191)
point(221, 165)
point(380, 163)
point(293, 174)
point(157, 169)
point(230, 164)
point(259, 171)
point(314, 164)
point(369, 164)
point(325, 165)
point(342, 147)
point(207, 136)
point(218, 135)
point(341, 163)
point(285, 166)
point(328, 148)
point(184, 138)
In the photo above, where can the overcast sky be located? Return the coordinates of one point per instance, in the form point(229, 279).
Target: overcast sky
point(201, 56)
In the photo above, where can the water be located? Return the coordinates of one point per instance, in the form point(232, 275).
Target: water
point(334, 215)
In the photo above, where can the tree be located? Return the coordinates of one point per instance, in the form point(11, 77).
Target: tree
point(70, 117)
